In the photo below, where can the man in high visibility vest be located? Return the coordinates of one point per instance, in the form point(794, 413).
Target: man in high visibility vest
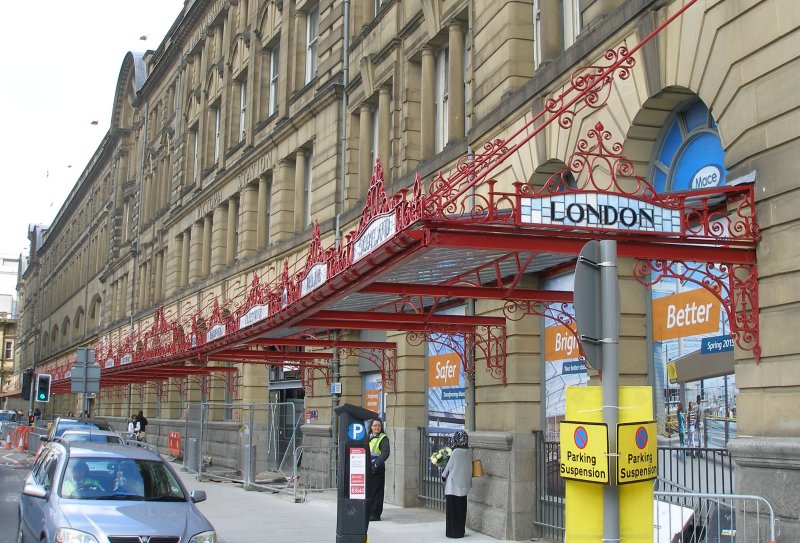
point(379, 452)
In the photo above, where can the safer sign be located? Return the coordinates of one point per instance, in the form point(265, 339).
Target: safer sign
point(638, 452)
point(358, 473)
point(584, 452)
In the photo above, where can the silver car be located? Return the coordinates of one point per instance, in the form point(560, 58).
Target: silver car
point(97, 436)
point(86, 492)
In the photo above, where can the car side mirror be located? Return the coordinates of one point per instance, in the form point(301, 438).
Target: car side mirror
point(198, 496)
point(35, 491)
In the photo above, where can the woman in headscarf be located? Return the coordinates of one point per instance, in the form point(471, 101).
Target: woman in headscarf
point(458, 480)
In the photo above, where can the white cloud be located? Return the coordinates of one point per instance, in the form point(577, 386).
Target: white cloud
point(61, 63)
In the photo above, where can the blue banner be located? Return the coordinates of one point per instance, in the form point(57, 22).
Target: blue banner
point(573, 367)
point(716, 344)
point(454, 393)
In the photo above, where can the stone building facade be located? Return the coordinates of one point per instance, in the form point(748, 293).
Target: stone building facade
point(256, 120)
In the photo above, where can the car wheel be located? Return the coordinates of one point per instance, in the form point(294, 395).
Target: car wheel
point(19, 529)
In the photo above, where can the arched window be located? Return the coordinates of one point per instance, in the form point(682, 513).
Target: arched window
point(689, 153)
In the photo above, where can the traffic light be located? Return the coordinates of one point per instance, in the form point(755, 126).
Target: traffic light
point(27, 381)
point(43, 387)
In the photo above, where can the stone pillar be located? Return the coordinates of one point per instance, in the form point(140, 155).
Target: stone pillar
point(254, 387)
point(174, 265)
point(364, 150)
point(219, 236)
point(159, 278)
point(248, 221)
point(123, 296)
point(262, 232)
point(186, 241)
point(208, 226)
point(384, 130)
point(301, 198)
point(231, 238)
point(428, 107)
point(196, 253)
point(455, 82)
point(282, 218)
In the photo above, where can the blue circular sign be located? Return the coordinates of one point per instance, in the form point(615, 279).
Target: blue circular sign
point(641, 437)
point(356, 431)
point(581, 437)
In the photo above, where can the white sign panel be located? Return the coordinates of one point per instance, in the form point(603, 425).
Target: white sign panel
point(125, 359)
point(601, 210)
point(379, 230)
point(358, 473)
point(317, 275)
point(216, 332)
point(256, 313)
point(109, 363)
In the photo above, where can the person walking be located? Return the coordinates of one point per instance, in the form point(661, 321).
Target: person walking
point(699, 422)
point(457, 476)
point(379, 451)
point(141, 430)
point(682, 431)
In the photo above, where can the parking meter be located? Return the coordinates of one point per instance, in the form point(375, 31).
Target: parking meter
point(352, 505)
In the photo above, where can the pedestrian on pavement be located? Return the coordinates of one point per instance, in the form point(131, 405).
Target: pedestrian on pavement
point(691, 428)
point(682, 430)
point(457, 476)
point(133, 427)
point(379, 451)
point(141, 421)
point(699, 424)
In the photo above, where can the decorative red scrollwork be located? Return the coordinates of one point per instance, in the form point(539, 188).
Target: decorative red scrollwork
point(561, 313)
point(734, 285)
point(490, 341)
point(385, 360)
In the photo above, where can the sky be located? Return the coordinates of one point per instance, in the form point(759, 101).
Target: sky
point(61, 61)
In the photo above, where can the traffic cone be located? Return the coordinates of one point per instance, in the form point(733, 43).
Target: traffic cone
point(21, 445)
point(7, 443)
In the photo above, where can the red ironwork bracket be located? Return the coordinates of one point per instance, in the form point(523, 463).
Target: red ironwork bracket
point(307, 376)
point(383, 359)
point(515, 310)
point(489, 340)
point(734, 285)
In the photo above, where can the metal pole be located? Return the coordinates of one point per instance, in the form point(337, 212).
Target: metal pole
point(609, 326)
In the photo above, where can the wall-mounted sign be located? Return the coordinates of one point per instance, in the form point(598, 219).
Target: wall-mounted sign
point(600, 210)
point(215, 332)
point(109, 363)
point(256, 313)
point(317, 274)
point(126, 358)
point(685, 314)
point(707, 177)
point(379, 230)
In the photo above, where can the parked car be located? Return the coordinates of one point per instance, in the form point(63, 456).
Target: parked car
point(86, 492)
point(7, 415)
point(62, 424)
point(91, 434)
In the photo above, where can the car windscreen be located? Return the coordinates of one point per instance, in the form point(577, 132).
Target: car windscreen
point(122, 479)
point(95, 438)
point(6, 416)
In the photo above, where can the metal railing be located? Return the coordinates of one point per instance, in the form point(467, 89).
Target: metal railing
point(549, 519)
point(687, 517)
point(431, 487)
point(313, 470)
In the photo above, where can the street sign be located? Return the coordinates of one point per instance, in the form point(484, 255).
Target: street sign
point(85, 356)
point(584, 452)
point(587, 303)
point(85, 379)
point(356, 431)
point(638, 452)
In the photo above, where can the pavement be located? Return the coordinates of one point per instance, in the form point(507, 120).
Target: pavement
point(241, 516)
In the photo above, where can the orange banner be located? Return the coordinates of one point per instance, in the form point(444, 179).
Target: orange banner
point(685, 314)
point(372, 400)
point(444, 370)
point(560, 343)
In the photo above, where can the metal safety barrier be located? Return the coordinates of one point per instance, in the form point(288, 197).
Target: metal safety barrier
point(686, 517)
point(313, 470)
point(431, 487)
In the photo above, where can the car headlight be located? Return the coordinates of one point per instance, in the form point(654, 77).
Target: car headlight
point(68, 535)
point(204, 537)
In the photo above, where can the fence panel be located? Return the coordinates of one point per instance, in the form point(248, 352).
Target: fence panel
point(549, 491)
point(431, 486)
